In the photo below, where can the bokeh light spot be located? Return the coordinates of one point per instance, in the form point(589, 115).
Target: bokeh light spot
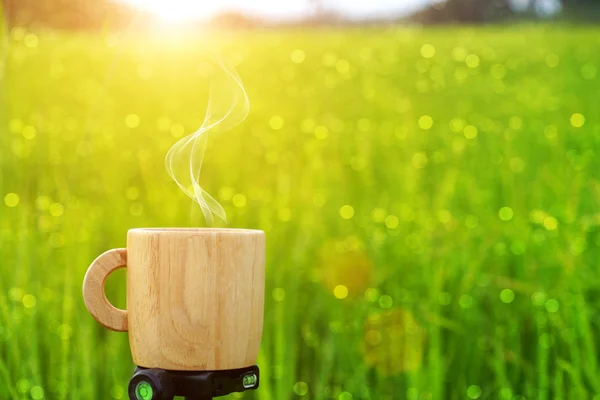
point(321, 132)
point(459, 54)
point(505, 213)
point(466, 301)
point(342, 66)
point(392, 222)
point(427, 51)
point(345, 396)
point(550, 223)
point(300, 388)
point(298, 56)
point(117, 392)
point(56, 209)
point(29, 301)
point(538, 298)
point(29, 132)
point(516, 165)
point(425, 122)
point(445, 298)
point(132, 192)
point(552, 60)
point(284, 214)
point(346, 211)
point(551, 305)
point(226, 193)
point(239, 200)
point(372, 294)
point(471, 221)
point(378, 215)
point(457, 125)
point(340, 292)
point(31, 40)
point(470, 132)
point(37, 392)
point(498, 71)
point(507, 296)
point(385, 301)
point(474, 392)
point(11, 199)
point(132, 121)
point(577, 120)
point(177, 130)
point(279, 294)
point(136, 209)
point(276, 122)
point(419, 160)
point(23, 385)
point(588, 71)
point(472, 61)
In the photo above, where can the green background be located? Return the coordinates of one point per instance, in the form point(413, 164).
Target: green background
point(430, 198)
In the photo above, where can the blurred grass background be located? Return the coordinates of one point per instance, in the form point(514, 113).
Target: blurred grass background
point(430, 199)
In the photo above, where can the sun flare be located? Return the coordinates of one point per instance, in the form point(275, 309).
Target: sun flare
point(176, 10)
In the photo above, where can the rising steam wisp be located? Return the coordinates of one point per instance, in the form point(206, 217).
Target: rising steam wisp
point(184, 159)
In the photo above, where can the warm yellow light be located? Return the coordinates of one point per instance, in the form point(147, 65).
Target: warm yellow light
point(177, 10)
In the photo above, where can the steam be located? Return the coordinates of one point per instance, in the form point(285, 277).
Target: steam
point(184, 159)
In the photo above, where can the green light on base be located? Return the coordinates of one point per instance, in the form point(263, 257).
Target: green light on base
point(249, 381)
point(143, 391)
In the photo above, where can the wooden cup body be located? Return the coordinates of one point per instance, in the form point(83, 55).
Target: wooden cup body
point(195, 297)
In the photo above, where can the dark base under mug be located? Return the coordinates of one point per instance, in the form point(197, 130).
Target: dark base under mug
point(160, 384)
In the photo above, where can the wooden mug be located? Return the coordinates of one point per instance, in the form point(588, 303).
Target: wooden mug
point(195, 297)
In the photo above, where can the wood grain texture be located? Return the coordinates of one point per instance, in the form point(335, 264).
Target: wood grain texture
point(195, 297)
point(93, 290)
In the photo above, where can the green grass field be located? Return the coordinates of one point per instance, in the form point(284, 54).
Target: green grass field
point(430, 197)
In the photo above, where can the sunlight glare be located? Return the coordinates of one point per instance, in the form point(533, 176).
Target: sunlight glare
point(177, 10)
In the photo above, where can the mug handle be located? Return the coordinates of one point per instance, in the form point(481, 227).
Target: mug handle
point(93, 290)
